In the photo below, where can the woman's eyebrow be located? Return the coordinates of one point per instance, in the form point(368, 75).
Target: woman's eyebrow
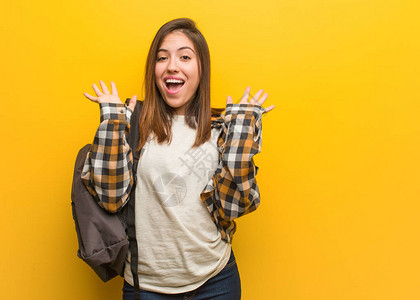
point(185, 47)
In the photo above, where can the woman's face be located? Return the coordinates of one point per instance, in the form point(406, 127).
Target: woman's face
point(176, 58)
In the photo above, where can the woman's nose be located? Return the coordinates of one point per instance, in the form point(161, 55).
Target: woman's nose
point(172, 66)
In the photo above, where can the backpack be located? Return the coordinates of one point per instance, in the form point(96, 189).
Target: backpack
point(103, 243)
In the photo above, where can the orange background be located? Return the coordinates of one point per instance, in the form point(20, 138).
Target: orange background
point(339, 168)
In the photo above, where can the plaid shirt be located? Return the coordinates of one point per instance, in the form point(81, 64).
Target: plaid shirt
point(231, 192)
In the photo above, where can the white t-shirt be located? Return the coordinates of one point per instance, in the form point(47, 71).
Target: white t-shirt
point(179, 246)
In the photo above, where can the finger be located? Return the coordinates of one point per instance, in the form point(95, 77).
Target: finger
point(246, 95)
point(254, 99)
point(97, 90)
point(114, 89)
point(133, 102)
point(229, 100)
point(104, 88)
point(91, 98)
point(271, 107)
point(262, 100)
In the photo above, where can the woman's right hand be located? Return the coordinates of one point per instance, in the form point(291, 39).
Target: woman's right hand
point(106, 97)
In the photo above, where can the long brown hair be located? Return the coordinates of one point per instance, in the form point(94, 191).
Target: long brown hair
point(156, 116)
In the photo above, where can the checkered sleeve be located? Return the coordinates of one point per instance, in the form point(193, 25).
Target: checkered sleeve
point(107, 172)
point(233, 190)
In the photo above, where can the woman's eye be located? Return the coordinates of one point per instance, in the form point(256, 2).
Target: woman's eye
point(184, 57)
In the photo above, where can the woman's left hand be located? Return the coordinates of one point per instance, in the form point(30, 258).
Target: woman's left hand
point(254, 99)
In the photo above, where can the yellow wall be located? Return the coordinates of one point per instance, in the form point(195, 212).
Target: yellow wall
point(339, 170)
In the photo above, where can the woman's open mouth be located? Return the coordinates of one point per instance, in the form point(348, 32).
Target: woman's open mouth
point(173, 88)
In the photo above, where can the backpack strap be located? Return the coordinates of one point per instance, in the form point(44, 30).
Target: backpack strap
point(131, 232)
point(132, 139)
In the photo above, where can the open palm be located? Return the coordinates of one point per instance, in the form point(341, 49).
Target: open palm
point(105, 96)
point(254, 99)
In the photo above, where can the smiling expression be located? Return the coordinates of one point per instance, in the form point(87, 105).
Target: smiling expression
point(177, 59)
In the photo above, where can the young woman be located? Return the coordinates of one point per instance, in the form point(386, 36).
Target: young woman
point(195, 171)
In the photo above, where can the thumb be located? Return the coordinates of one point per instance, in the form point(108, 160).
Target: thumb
point(229, 100)
point(133, 102)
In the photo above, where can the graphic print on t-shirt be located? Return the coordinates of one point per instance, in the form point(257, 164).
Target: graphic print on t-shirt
point(171, 188)
point(199, 161)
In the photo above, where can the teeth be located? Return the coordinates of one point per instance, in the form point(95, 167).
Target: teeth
point(174, 81)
